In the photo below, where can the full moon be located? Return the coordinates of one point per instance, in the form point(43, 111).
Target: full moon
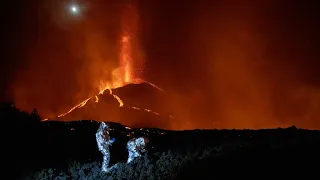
point(74, 9)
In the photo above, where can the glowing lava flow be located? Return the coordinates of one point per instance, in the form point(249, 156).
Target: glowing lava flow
point(139, 81)
point(114, 96)
point(121, 103)
point(83, 103)
point(80, 105)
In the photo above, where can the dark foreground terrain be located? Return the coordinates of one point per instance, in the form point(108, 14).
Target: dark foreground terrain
point(60, 150)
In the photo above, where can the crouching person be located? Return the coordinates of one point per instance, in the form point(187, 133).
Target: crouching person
point(135, 147)
point(103, 141)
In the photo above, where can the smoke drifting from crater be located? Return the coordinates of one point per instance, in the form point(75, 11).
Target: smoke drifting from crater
point(223, 64)
point(239, 64)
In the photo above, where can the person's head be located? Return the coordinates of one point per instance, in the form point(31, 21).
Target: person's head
point(104, 125)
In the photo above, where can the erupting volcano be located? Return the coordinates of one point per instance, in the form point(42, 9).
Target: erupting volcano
point(124, 75)
point(117, 81)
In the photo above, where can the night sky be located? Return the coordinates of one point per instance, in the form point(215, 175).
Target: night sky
point(241, 64)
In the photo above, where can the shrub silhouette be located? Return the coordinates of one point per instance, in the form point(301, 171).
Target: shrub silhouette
point(164, 166)
point(200, 154)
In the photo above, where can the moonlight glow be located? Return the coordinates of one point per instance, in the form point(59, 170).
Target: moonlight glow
point(74, 9)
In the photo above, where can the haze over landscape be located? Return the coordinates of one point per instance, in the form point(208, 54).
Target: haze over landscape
point(211, 64)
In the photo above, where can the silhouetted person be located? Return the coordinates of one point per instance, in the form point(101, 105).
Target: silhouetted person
point(135, 147)
point(103, 141)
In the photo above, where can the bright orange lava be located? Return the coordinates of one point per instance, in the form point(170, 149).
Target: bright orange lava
point(125, 58)
point(118, 80)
